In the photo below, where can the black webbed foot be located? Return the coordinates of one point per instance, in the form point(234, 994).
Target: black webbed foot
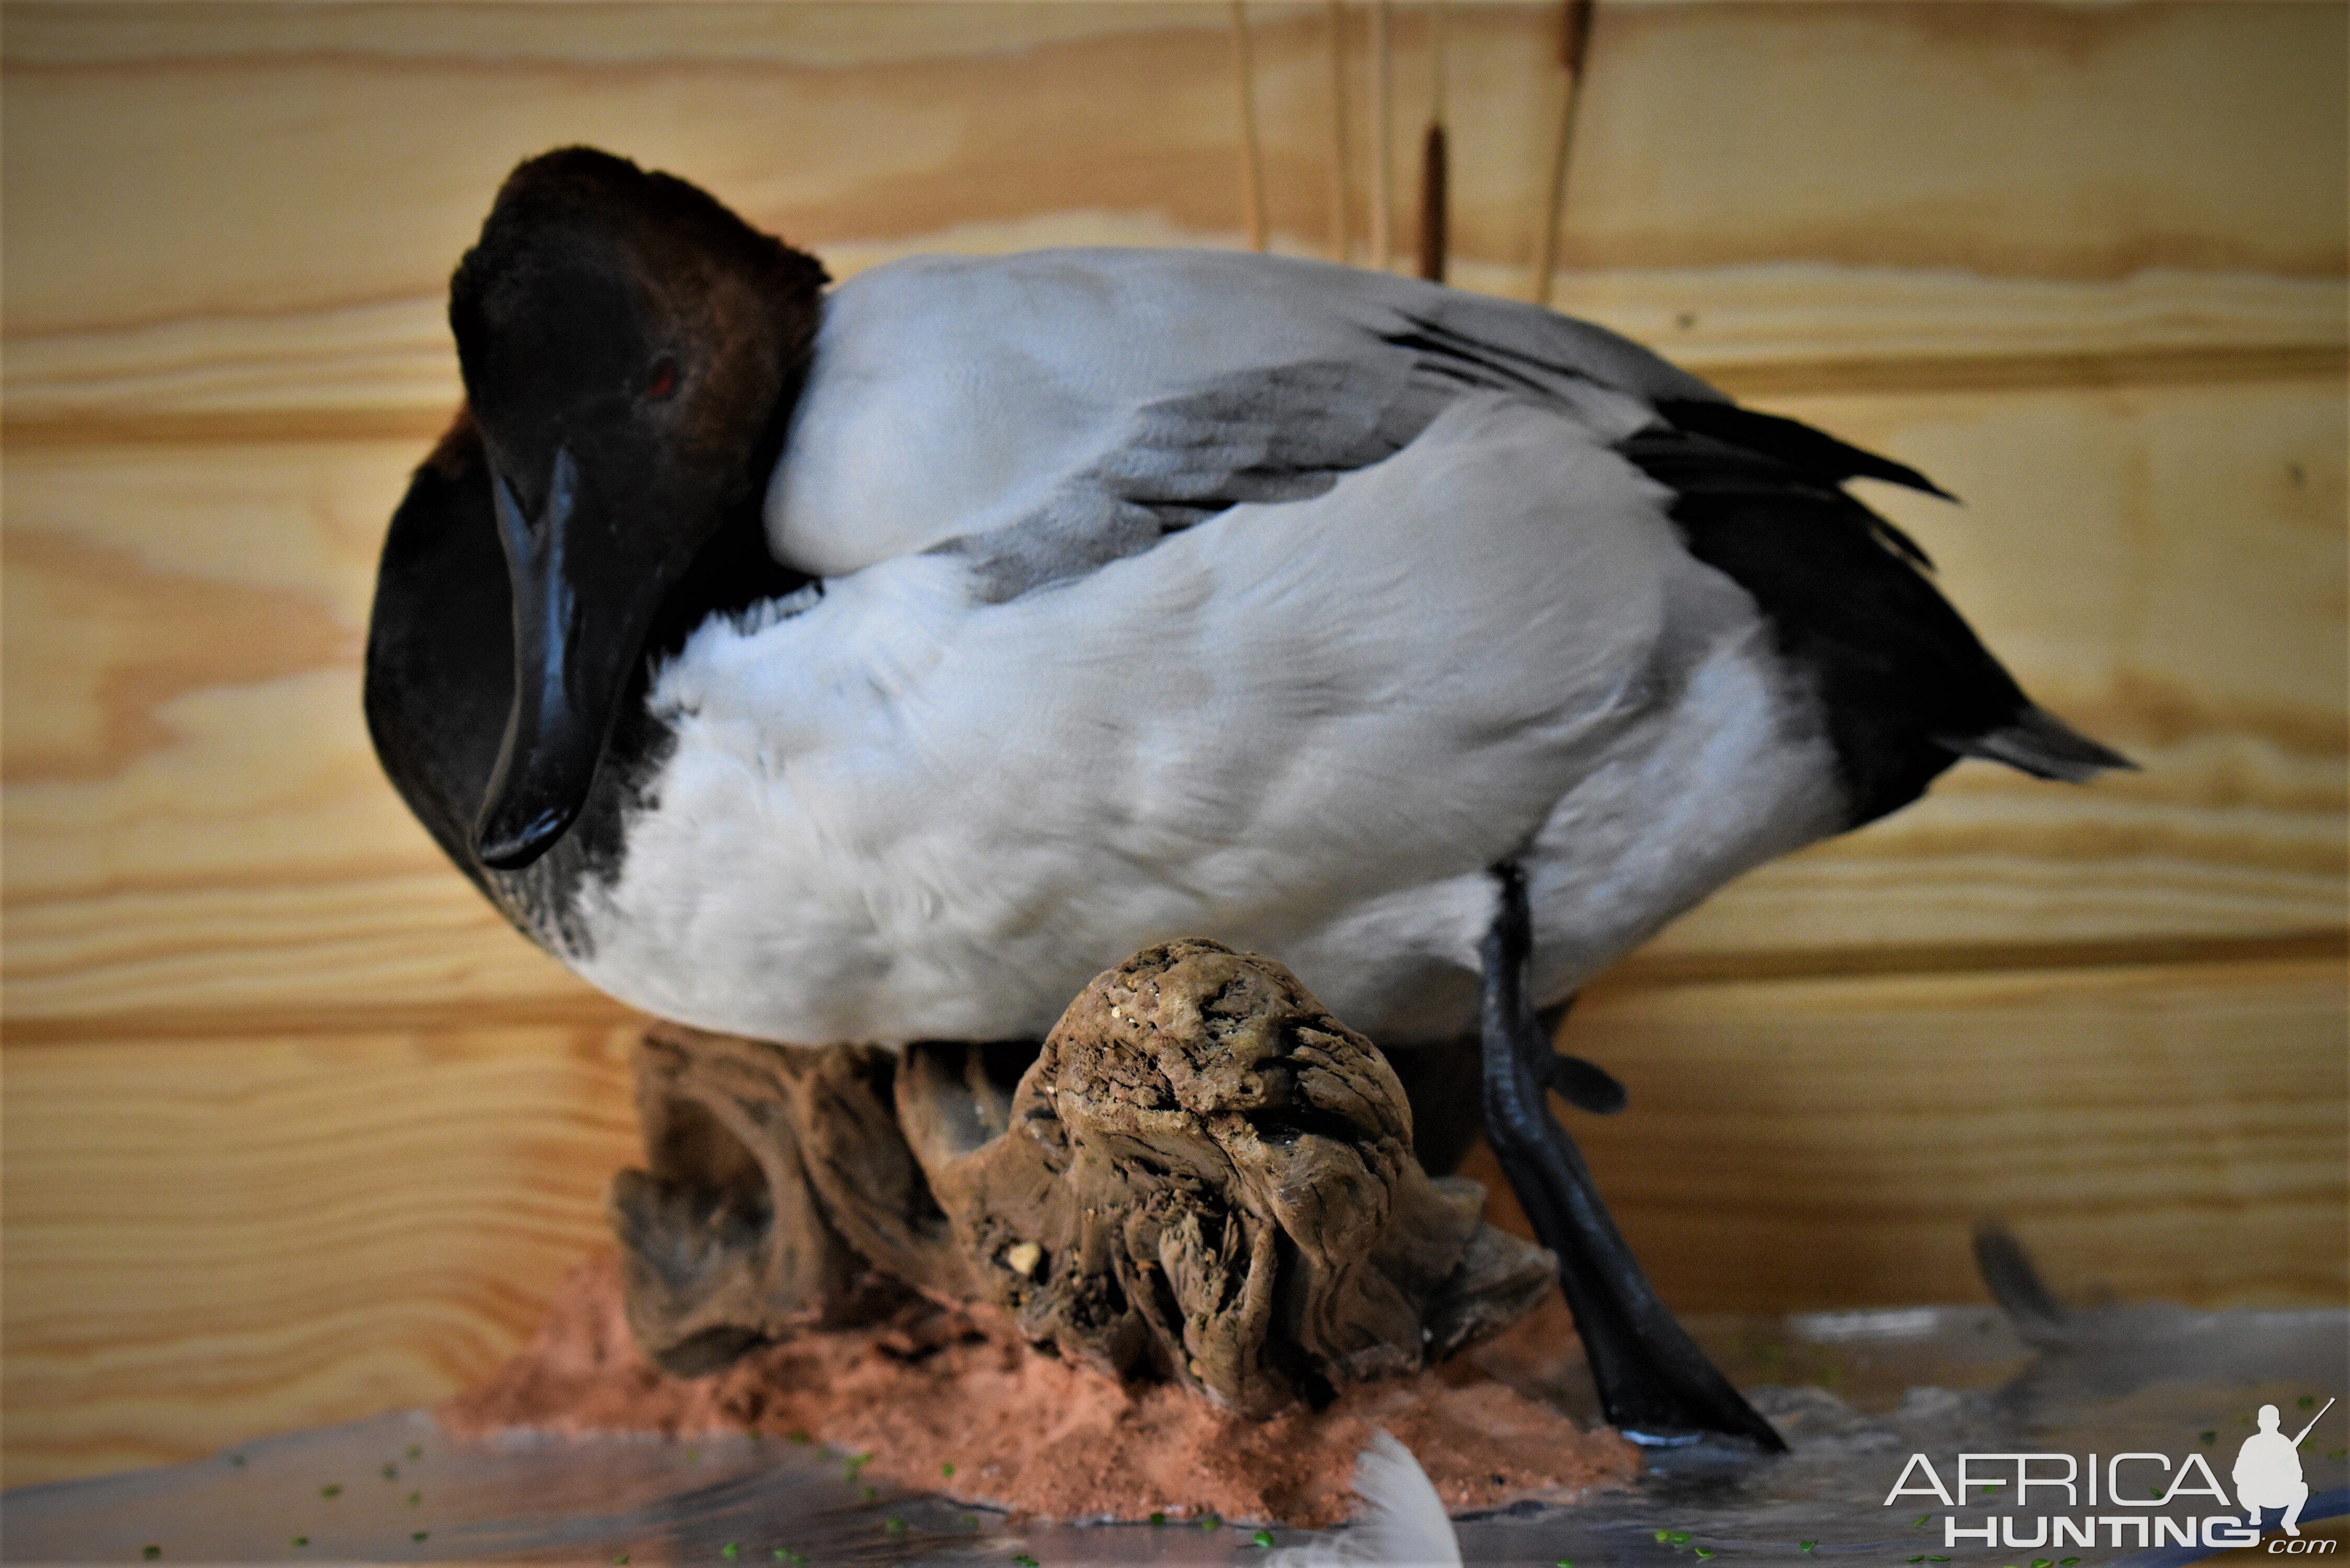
point(1654, 1383)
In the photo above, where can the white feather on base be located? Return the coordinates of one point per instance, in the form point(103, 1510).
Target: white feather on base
point(1403, 1523)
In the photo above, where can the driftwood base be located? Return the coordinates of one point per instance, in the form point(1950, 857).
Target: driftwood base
point(1201, 1179)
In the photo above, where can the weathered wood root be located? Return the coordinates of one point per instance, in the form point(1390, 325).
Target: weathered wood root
point(1202, 1177)
point(780, 1196)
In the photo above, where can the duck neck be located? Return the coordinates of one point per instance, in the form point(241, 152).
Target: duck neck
point(734, 568)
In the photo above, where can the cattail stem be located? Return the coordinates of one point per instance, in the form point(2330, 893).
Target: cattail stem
point(1434, 163)
point(1439, 56)
point(1432, 204)
point(1383, 125)
point(1341, 174)
point(1573, 46)
point(1252, 154)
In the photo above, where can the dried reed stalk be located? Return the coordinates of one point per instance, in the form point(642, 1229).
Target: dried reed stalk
point(1341, 172)
point(1252, 152)
point(1383, 124)
point(1434, 163)
point(1573, 49)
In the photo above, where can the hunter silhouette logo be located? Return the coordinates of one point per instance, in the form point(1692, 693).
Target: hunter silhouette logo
point(2268, 1472)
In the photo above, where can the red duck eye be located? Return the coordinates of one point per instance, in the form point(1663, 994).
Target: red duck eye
point(664, 379)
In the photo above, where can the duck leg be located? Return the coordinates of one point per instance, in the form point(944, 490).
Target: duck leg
point(1654, 1383)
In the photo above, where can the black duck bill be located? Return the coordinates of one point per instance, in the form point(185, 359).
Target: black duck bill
point(585, 587)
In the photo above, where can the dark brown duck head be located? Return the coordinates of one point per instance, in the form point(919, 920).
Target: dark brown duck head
point(630, 351)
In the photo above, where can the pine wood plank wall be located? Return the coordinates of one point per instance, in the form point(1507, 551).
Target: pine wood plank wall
point(294, 1130)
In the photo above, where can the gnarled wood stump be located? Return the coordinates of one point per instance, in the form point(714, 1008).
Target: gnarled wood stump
point(1202, 1177)
point(780, 1196)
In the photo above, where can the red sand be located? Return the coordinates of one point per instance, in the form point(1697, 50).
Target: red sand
point(1038, 1436)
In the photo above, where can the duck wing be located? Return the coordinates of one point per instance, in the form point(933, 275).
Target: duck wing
point(1052, 411)
point(1042, 415)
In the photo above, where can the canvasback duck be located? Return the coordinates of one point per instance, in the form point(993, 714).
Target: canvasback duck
point(880, 664)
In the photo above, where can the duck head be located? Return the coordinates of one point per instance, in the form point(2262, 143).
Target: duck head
point(630, 351)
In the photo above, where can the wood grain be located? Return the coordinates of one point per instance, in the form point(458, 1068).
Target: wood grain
point(2171, 1133)
point(295, 1129)
point(211, 1239)
point(215, 1237)
point(189, 783)
point(196, 828)
point(2016, 182)
point(1758, 331)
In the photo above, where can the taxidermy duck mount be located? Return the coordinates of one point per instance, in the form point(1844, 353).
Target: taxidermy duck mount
point(881, 665)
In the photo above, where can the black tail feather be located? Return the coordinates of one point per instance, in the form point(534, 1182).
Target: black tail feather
point(2040, 744)
point(1904, 686)
point(1813, 453)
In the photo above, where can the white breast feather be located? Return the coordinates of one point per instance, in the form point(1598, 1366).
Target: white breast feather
point(1303, 728)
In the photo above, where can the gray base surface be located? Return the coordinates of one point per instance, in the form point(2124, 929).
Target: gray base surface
point(1857, 1394)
